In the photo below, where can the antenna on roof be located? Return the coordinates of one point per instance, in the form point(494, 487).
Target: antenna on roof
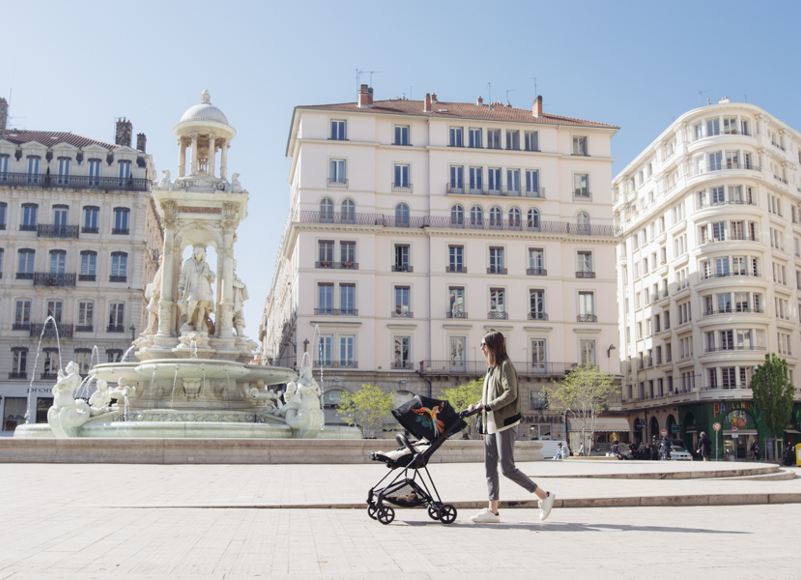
point(701, 93)
point(359, 74)
point(411, 93)
point(489, 86)
point(507, 94)
point(535, 87)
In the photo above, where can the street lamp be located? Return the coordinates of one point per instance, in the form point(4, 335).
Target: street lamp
point(133, 332)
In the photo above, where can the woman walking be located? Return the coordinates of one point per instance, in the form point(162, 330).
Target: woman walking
point(501, 412)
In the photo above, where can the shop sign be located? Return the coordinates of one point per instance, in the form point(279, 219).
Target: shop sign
point(639, 424)
point(675, 428)
point(40, 390)
point(725, 407)
point(543, 419)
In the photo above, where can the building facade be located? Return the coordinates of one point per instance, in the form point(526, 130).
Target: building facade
point(416, 226)
point(708, 272)
point(79, 239)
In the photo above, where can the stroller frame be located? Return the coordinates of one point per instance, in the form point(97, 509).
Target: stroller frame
point(419, 492)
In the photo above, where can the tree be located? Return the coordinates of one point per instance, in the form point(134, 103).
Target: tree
point(583, 394)
point(773, 393)
point(462, 396)
point(368, 408)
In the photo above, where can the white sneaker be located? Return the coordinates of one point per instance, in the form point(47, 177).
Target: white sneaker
point(546, 505)
point(485, 516)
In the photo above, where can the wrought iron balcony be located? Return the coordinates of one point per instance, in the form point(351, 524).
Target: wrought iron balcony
point(453, 313)
point(120, 231)
point(401, 364)
point(456, 269)
point(733, 310)
point(733, 347)
point(402, 268)
point(585, 274)
point(115, 328)
point(402, 187)
point(86, 230)
point(85, 328)
point(21, 326)
point(536, 272)
point(337, 364)
point(56, 231)
point(60, 330)
point(401, 313)
point(496, 270)
point(53, 280)
point(118, 278)
point(338, 183)
point(538, 316)
point(24, 275)
point(75, 182)
point(462, 189)
point(336, 311)
point(87, 277)
point(498, 315)
point(337, 265)
point(586, 318)
point(14, 376)
point(476, 367)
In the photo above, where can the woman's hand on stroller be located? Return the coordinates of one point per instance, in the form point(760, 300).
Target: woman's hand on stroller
point(472, 410)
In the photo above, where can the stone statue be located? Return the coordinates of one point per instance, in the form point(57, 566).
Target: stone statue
point(100, 399)
point(259, 393)
point(196, 298)
point(165, 182)
point(67, 414)
point(236, 187)
point(240, 295)
point(302, 409)
point(153, 293)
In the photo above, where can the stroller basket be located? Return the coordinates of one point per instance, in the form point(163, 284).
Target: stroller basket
point(406, 493)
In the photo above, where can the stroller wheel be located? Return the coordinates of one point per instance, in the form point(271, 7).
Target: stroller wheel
point(371, 511)
point(385, 515)
point(447, 514)
point(433, 511)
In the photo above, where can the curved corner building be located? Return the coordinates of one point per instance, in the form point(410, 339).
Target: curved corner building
point(709, 272)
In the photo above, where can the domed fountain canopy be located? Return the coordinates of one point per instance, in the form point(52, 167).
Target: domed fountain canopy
point(203, 115)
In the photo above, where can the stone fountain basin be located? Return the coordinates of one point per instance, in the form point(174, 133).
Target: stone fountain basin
point(191, 369)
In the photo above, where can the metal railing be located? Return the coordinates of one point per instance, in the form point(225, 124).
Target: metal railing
point(401, 364)
point(461, 189)
point(710, 275)
point(14, 376)
point(479, 367)
point(56, 231)
point(497, 315)
point(455, 314)
point(338, 183)
point(85, 328)
point(337, 364)
point(734, 311)
point(120, 231)
point(538, 316)
point(115, 328)
point(337, 311)
point(402, 268)
point(400, 188)
point(536, 272)
point(706, 204)
point(87, 277)
point(118, 278)
point(86, 230)
point(402, 314)
point(456, 269)
point(75, 182)
point(587, 318)
point(64, 330)
point(733, 347)
point(53, 280)
point(585, 274)
point(337, 265)
point(496, 270)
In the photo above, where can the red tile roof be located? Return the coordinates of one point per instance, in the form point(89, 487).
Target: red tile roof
point(443, 109)
point(49, 138)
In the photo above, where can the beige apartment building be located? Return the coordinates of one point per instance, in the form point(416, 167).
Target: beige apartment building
point(709, 272)
point(79, 240)
point(417, 226)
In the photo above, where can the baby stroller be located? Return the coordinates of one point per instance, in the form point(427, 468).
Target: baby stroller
point(431, 421)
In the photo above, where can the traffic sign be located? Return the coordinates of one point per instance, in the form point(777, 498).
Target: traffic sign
point(664, 432)
point(716, 426)
point(734, 428)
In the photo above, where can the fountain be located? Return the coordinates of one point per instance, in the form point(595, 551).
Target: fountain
point(193, 377)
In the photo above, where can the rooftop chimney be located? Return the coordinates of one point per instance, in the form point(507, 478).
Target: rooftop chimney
point(141, 142)
point(479, 101)
point(3, 117)
point(365, 97)
point(434, 98)
point(124, 132)
point(537, 112)
point(427, 103)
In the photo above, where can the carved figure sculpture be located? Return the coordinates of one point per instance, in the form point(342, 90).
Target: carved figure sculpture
point(67, 414)
point(194, 290)
point(302, 410)
point(165, 182)
point(236, 187)
point(100, 399)
point(153, 293)
point(240, 295)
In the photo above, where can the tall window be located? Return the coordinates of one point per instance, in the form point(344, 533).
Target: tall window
point(587, 352)
point(116, 317)
point(496, 217)
point(457, 179)
point(402, 215)
point(456, 137)
point(25, 264)
point(513, 140)
point(121, 215)
point(497, 263)
point(402, 353)
point(86, 315)
point(402, 135)
point(3, 215)
point(94, 171)
point(2, 255)
point(347, 254)
point(347, 348)
point(33, 169)
point(3, 167)
point(536, 305)
point(493, 138)
point(532, 141)
point(587, 307)
point(402, 258)
point(538, 354)
point(401, 177)
point(456, 259)
point(476, 216)
point(22, 315)
point(347, 299)
point(90, 219)
point(458, 348)
point(533, 218)
point(50, 367)
point(513, 181)
point(456, 304)
point(514, 218)
point(83, 358)
point(476, 179)
point(457, 215)
point(475, 138)
point(536, 261)
point(119, 267)
point(579, 146)
point(327, 209)
point(29, 221)
point(338, 129)
point(581, 185)
point(497, 303)
point(324, 350)
point(63, 177)
point(348, 213)
point(336, 172)
point(494, 179)
point(58, 262)
point(325, 251)
point(19, 363)
point(713, 127)
point(325, 298)
point(402, 302)
point(124, 173)
point(584, 263)
point(533, 183)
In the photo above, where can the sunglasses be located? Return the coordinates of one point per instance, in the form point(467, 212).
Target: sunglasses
point(483, 345)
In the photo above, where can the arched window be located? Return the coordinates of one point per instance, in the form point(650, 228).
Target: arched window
point(476, 216)
point(496, 217)
point(533, 219)
point(348, 211)
point(327, 210)
point(514, 218)
point(583, 220)
point(457, 215)
point(402, 215)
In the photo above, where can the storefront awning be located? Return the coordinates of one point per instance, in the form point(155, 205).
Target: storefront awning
point(602, 425)
point(792, 431)
point(741, 432)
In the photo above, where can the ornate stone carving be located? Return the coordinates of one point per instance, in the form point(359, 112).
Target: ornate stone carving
point(195, 294)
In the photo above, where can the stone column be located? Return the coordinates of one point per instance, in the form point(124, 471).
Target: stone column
point(212, 157)
point(168, 285)
point(227, 294)
point(224, 160)
point(181, 157)
point(193, 156)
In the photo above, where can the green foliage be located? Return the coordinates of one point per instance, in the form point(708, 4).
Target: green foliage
point(583, 393)
point(368, 408)
point(462, 396)
point(773, 393)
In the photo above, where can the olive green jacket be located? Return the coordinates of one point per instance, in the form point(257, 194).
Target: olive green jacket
point(502, 404)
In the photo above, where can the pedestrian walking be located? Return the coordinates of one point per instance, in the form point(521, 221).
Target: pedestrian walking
point(501, 408)
point(755, 450)
point(581, 450)
point(704, 446)
point(664, 448)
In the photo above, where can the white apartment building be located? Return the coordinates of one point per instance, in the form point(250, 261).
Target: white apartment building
point(416, 226)
point(79, 239)
point(708, 271)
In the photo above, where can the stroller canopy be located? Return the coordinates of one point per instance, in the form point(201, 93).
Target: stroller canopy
point(428, 418)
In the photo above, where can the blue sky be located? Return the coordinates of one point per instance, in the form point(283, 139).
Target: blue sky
point(75, 66)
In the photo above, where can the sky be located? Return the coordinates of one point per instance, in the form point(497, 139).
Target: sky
point(76, 66)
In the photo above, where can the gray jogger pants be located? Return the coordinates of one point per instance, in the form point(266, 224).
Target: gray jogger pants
point(500, 446)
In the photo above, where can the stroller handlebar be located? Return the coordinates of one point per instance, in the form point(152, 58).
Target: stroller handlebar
point(464, 414)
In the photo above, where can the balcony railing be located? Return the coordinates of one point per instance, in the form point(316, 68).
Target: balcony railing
point(402, 314)
point(455, 314)
point(338, 183)
point(734, 311)
point(533, 192)
point(402, 268)
point(733, 347)
point(14, 376)
point(496, 270)
point(536, 226)
point(64, 330)
point(21, 326)
point(456, 269)
point(401, 364)
point(115, 328)
point(87, 277)
point(25, 275)
point(402, 187)
point(87, 230)
point(536, 272)
point(337, 364)
point(118, 278)
point(587, 318)
point(710, 275)
point(479, 367)
point(56, 231)
point(538, 316)
point(75, 182)
point(706, 204)
point(725, 167)
point(337, 311)
point(53, 280)
point(778, 146)
point(120, 231)
point(585, 274)
point(337, 265)
point(497, 315)
point(85, 328)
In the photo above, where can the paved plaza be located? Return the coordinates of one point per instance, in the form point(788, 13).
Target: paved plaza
point(299, 521)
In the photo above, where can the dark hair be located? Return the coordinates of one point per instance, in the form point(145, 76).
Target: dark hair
point(496, 348)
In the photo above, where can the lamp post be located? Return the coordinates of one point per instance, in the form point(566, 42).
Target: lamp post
point(133, 332)
point(609, 357)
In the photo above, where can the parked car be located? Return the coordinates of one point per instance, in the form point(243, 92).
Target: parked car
point(680, 453)
point(605, 449)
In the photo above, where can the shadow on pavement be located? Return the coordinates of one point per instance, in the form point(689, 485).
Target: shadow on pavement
point(574, 527)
